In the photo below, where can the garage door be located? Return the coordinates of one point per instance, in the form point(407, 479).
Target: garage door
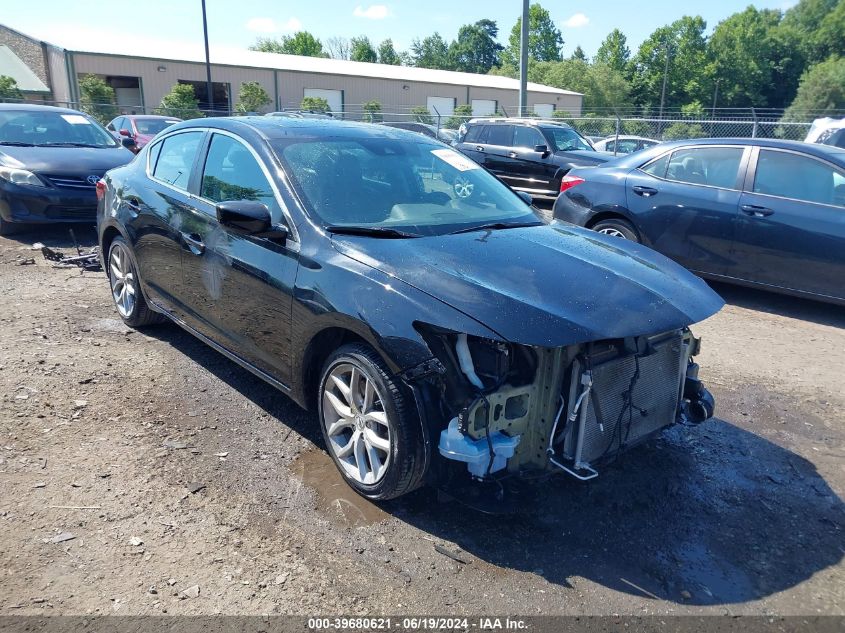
point(444, 106)
point(544, 110)
point(334, 97)
point(483, 107)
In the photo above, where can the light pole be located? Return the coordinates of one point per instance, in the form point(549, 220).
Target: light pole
point(207, 61)
point(665, 77)
point(713, 109)
point(523, 61)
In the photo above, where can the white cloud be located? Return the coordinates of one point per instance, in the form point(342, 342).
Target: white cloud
point(268, 25)
point(372, 12)
point(577, 21)
point(261, 25)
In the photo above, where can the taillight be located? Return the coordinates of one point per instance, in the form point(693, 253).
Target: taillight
point(101, 189)
point(570, 181)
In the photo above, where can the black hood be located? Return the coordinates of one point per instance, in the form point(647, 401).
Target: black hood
point(584, 156)
point(547, 285)
point(80, 161)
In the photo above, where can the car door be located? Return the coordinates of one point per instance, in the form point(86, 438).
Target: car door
point(156, 209)
point(239, 287)
point(533, 172)
point(497, 153)
point(791, 226)
point(474, 141)
point(686, 201)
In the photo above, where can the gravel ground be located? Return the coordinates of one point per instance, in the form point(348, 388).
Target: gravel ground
point(143, 473)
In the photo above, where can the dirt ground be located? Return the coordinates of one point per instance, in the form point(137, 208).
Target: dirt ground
point(143, 473)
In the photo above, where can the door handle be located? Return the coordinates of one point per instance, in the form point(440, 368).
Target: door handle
point(645, 192)
point(194, 242)
point(511, 154)
point(755, 211)
point(479, 148)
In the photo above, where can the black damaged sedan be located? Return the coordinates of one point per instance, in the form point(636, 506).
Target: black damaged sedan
point(440, 330)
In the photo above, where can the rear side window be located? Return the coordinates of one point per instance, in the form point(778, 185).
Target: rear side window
point(232, 173)
point(798, 177)
point(657, 168)
point(175, 157)
point(500, 135)
point(474, 134)
point(524, 136)
point(712, 166)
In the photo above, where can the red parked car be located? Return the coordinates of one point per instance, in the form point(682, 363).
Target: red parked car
point(141, 127)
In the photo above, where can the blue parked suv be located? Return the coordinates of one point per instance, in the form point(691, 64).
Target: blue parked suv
point(757, 212)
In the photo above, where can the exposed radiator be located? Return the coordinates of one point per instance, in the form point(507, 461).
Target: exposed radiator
point(654, 400)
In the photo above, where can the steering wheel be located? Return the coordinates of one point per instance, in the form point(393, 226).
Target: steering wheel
point(463, 187)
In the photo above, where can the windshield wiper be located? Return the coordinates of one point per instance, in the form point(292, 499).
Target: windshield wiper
point(372, 231)
point(16, 144)
point(494, 226)
point(70, 144)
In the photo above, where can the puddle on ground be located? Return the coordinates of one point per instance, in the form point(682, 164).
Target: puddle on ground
point(335, 499)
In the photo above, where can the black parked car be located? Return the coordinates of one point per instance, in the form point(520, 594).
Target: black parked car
point(440, 336)
point(50, 162)
point(760, 212)
point(529, 155)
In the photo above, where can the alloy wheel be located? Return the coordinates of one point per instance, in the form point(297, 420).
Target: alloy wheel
point(123, 285)
point(356, 423)
point(463, 187)
point(613, 232)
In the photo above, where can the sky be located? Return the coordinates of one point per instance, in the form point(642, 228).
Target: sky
point(237, 23)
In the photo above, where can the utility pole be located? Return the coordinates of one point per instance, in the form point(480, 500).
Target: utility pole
point(663, 91)
point(523, 61)
point(207, 61)
point(713, 110)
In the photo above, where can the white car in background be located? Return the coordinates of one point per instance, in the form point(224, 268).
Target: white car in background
point(620, 145)
point(827, 131)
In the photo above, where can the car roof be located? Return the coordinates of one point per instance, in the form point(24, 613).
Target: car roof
point(148, 116)
point(34, 107)
point(522, 120)
point(273, 128)
point(825, 152)
point(627, 137)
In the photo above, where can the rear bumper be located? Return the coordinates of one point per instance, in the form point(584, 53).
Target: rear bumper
point(40, 205)
point(567, 210)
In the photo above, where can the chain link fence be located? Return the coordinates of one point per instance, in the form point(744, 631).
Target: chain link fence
point(669, 125)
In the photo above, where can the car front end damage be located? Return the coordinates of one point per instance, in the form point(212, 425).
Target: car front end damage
point(494, 408)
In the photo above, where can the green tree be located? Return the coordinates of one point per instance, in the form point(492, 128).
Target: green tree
point(743, 54)
point(579, 54)
point(180, 102)
point(314, 104)
point(476, 49)
point(462, 113)
point(683, 41)
point(300, 43)
point(544, 38)
point(678, 131)
point(603, 87)
point(614, 51)
point(820, 93)
point(372, 112)
point(9, 88)
point(431, 52)
point(387, 54)
point(361, 50)
point(830, 37)
point(420, 114)
point(807, 19)
point(252, 97)
point(96, 98)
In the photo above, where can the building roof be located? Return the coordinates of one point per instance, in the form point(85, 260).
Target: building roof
point(274, 61)
point(13, 66)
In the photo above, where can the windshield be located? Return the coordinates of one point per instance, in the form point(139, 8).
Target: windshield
point(567, 139)
point(153, 126)
point(411, 186)
point(44, 128)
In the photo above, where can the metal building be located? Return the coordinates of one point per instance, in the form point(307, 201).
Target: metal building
point(141, 78)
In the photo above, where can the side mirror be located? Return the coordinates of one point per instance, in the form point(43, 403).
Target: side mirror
point(541, 148)
point(125, 132)
point(249, 217)
point(128, 143)
point(525, 197)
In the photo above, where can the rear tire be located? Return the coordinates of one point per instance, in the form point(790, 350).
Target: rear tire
point(126, 287)
point(369, 424)
point(617, 227)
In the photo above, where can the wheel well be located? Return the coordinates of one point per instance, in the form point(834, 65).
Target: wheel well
point(319, 348)
point(108, 237)
point(609, 215)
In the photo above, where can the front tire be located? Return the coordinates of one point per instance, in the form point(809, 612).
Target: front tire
point(617, 227)
point(126, 287)
point(369, 424)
